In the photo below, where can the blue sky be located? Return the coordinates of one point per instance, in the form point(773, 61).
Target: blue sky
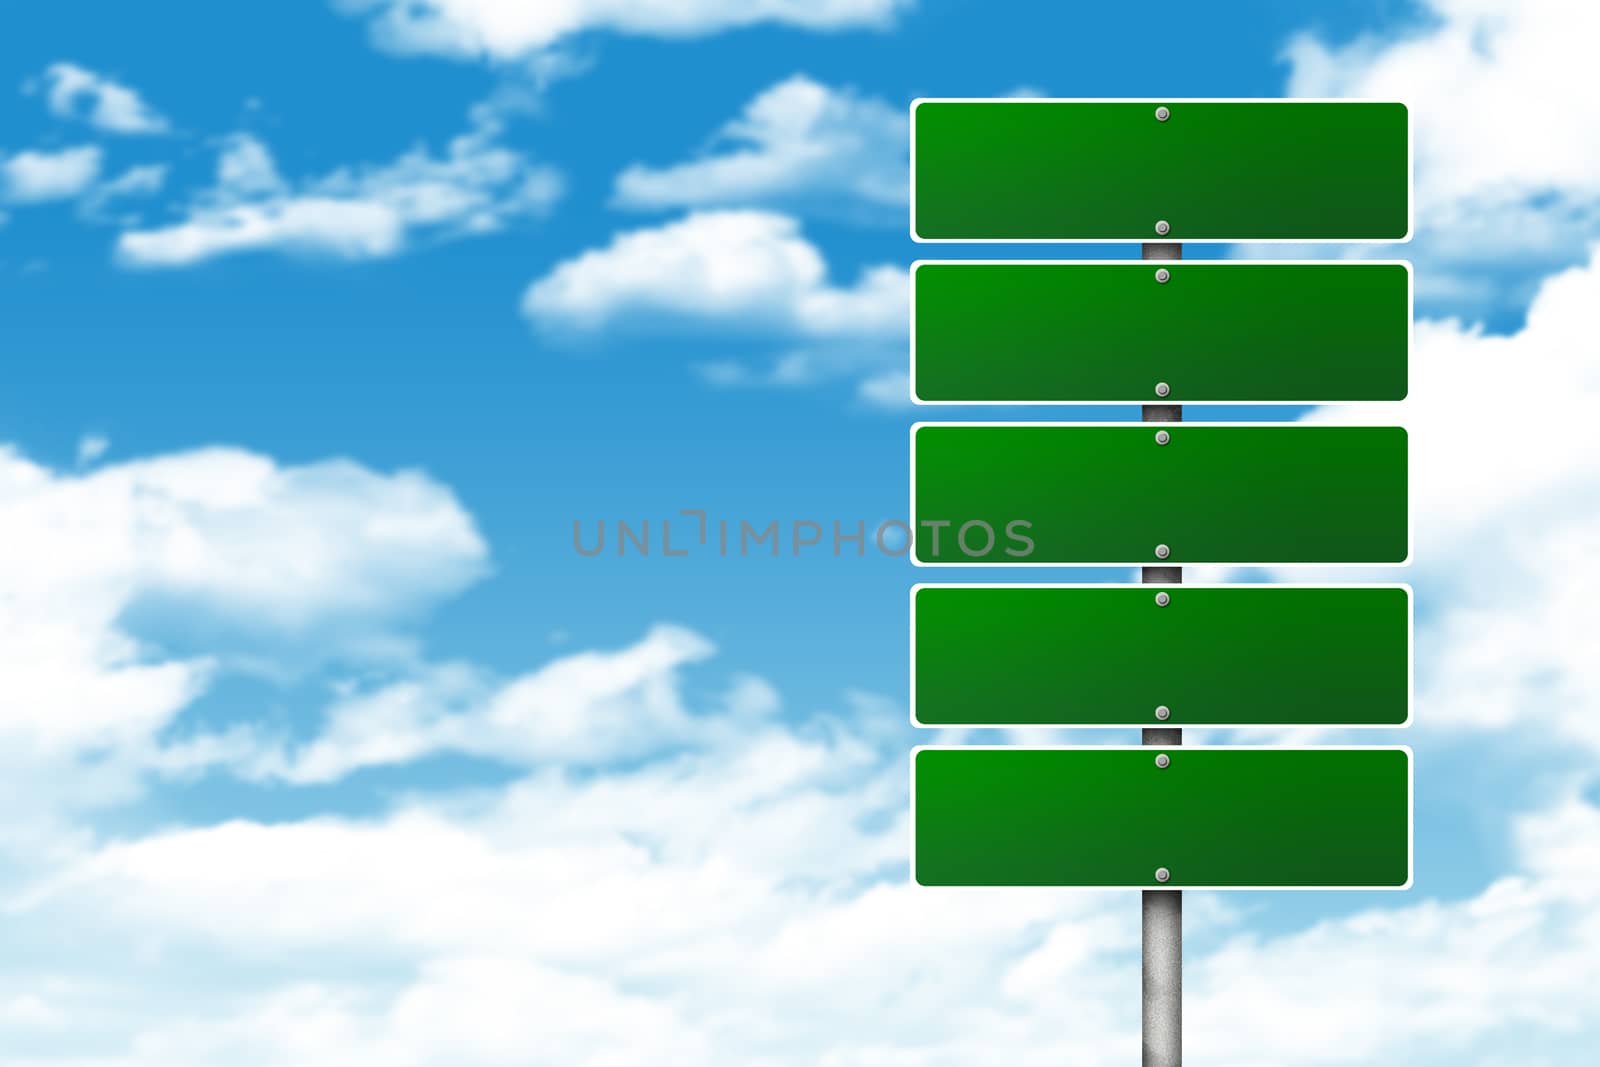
point(322, 323)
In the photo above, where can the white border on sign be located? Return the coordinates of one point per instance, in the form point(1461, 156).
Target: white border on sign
point(1151, 427)
point(1150, 238)
point(1157, 724)
point(1411, 810)
point(1150, 264)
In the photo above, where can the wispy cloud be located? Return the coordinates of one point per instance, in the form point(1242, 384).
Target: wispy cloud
point(91, 447)
point(134, 183)
point(74, 92)
point(591, 709)
point(353, 213)
point(507, 30)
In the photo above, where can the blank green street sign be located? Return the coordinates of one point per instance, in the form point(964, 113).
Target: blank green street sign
point(1153, 170)
point(1209, 818)
point(1170, 332)
point(1148, 494)
point(1149, 655)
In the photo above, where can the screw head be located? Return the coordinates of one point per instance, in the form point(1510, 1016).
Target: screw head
point(1162, 437)
point(1163, 275)
point(1163, 875)
point(1163, 713)
point(1163, 227)
point(1162, 389)
point(1162, 114)
point(1162, 600)
point(1162, 552)
point(1163, 761)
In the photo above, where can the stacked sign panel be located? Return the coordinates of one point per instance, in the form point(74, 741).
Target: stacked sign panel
point(1022, 655)
point(1040, 332)
point(1182, 171)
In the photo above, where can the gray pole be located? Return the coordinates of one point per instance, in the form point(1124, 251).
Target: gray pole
point(1161, 1013)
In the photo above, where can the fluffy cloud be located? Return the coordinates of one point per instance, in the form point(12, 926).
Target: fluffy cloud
point(503, 30)
point(37, 176)
point(1506, 131)
point(1467, 77)
point(745, 267)
point(700, 899)
point(75, 92)
point(693, 895)
point(1500, 977)
point(365, 213)
point(1505, 506)
point(748, 272)
point(218, 534)
point(797, 141)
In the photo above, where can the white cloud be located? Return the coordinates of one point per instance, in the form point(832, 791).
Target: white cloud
point(504, 30)
point(134, 183)
point(591, 708)
point(747, 903)
point(1506, 132)
point(351, 213)
point(1505, 491)
point(245, 167)
point(1472, 77)
point(37, 176)
point(345, 229)
point(76, 92)
point(1505, 501)
point(752, 268)
point(91, 447)
point(798, 140)
point(144, 180)
point(747, 273)
point(1431, 982)
point(694, 895)
point(220, 535)
point(891, 390)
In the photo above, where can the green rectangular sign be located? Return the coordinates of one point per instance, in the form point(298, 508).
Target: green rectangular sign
point(1210, 818)
point(1157, 494)
point(1154, 170)
point(1169, 332)
point(1112, 655)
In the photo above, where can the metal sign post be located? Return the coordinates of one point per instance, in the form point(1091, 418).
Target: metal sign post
point(1161, 926)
